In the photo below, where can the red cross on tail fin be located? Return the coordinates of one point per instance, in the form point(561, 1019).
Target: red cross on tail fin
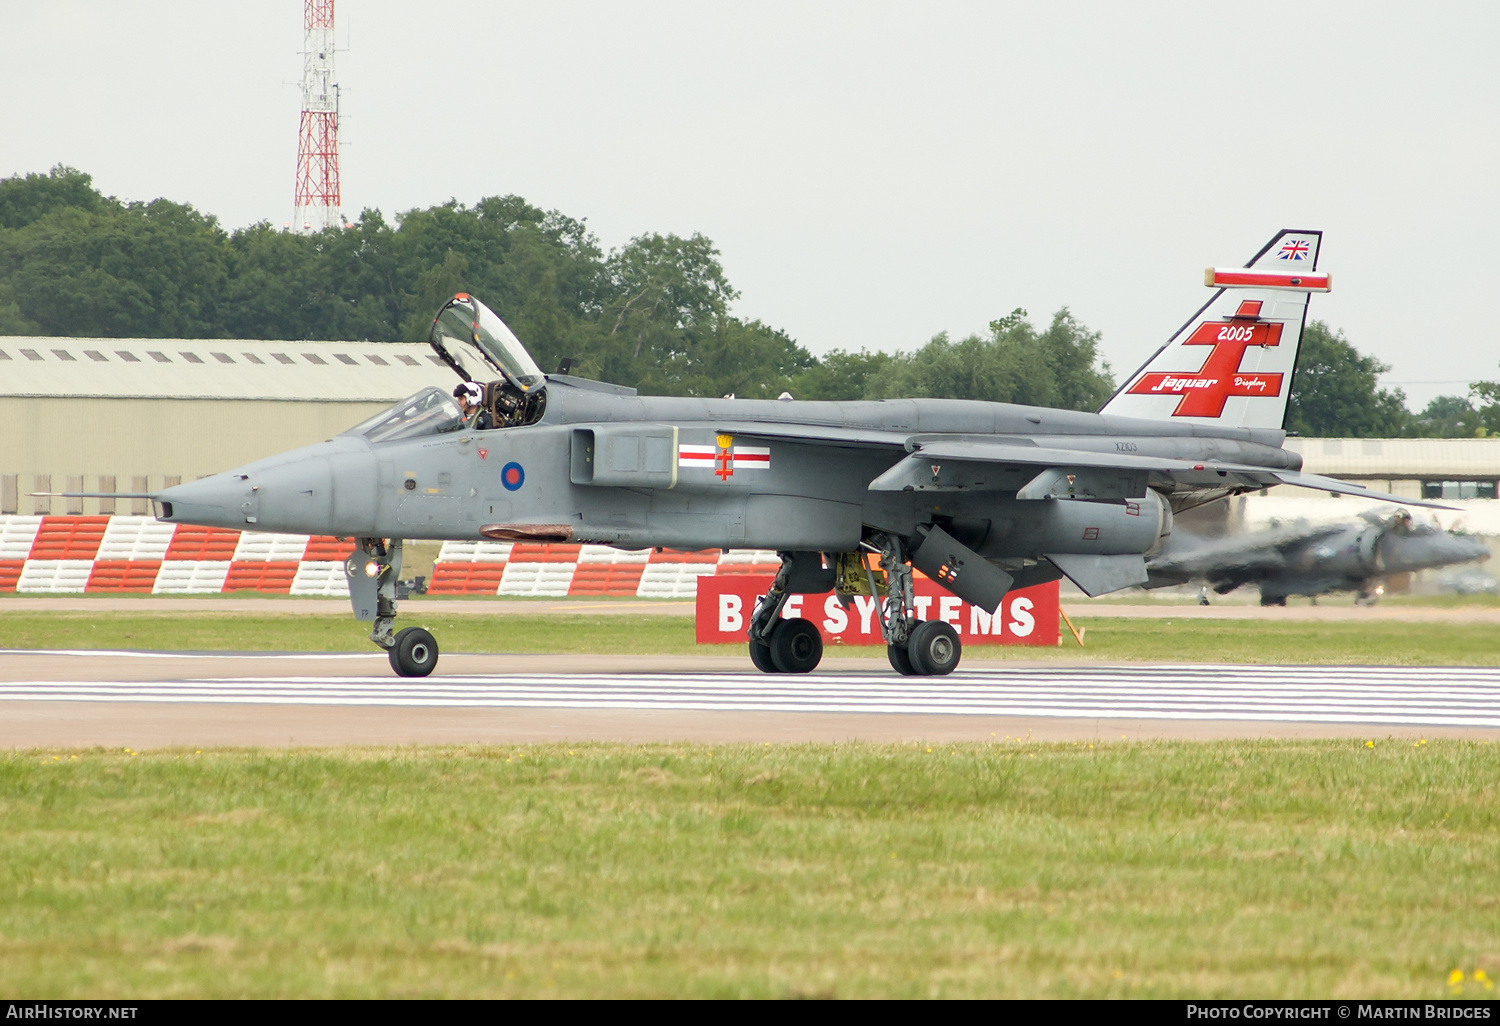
point(1232, 362)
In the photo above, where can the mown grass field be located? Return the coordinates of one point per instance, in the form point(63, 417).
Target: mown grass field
point(1107, 639)
point(1013, 869)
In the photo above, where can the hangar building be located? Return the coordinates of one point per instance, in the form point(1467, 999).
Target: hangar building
point(1426, 468)
point(1462, 473)
point(135, 415)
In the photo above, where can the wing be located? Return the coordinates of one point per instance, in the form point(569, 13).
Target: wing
point(1118, 470)
point(1330, 484)
point(1014, 463)
point(848, 437)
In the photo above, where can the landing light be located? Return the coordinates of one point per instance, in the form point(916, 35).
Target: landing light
point(372, 569)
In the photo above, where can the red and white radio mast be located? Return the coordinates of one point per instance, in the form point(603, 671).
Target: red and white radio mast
point(318, 204)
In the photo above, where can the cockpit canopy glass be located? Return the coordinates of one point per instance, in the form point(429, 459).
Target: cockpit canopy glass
point(470, 335)
point(430, 412)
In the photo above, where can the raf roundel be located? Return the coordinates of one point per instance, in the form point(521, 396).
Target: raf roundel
point(512, 476)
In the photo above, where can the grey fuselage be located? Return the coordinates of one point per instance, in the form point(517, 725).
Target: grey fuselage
point(604, 465)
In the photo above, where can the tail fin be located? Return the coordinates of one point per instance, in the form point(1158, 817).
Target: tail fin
point(1253, 324)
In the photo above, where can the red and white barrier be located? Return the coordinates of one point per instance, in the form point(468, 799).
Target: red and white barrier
point(63, 555)
point(521, 568)
point(70, 555)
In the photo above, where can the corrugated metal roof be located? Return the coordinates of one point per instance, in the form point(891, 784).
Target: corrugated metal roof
point(1399, 457)
point(169, 368)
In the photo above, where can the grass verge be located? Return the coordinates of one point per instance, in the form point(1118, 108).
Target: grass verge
point(1108, 639)
point(1013, 869)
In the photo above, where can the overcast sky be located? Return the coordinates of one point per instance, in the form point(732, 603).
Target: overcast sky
point(872, 173)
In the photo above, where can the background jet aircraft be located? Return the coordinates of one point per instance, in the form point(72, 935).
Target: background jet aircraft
point(1346, 556)
point(982, 497)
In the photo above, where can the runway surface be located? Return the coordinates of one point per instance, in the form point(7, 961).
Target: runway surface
point(353, 701)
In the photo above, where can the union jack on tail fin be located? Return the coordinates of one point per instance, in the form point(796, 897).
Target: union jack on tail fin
point(1232, 362)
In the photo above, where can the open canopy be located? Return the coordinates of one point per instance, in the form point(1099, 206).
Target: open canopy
point(476, 343)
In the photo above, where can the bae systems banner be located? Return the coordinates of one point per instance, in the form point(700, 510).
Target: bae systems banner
point(1026, 617)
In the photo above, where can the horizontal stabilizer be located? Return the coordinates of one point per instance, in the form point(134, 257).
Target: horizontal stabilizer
point(1100, 575)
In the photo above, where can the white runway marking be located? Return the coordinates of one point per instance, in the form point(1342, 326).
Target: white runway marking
point(1383, 695)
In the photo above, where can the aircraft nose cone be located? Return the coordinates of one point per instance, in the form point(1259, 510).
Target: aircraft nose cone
point(295, 492)
point(1476, 550)
point(212, 502)
point(1461, 548)
point(1428, 551)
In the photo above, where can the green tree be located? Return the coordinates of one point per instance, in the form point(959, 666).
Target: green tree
point(728, 356)
point(1447, 416)
point(539, 270)
point(840, 375)
point(667, 293)
point(1056, 368)
point(653, 314)
point(24, 200)
point(149, 269)
point(1485, 397)
point(1335, 394)
point(271, 291)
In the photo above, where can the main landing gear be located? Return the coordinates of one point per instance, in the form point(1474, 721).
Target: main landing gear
point(786, 646)
point(372, 571)
point(924, 648)
point(916, 648)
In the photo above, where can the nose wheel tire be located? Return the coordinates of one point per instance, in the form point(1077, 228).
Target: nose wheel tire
point(796, 646)
point(934, 648)
point(415, 652)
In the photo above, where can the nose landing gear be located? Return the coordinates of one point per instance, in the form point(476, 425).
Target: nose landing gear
point(372, 571)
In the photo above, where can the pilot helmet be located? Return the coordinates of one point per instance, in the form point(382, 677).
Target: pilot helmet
point(469, 392)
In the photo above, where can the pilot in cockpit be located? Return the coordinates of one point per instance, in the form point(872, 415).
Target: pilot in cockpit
point(470, 397)
point(470, 339)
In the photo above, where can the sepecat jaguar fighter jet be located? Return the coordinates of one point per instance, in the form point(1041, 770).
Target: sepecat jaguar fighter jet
point(982, 497)
point(1312, 559)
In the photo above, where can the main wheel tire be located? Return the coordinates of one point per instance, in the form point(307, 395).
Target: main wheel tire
point(934, 648)
point(415, 652)
point(900, 660)
point(796, 646)
point(760, 655)
point(1273, 600)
